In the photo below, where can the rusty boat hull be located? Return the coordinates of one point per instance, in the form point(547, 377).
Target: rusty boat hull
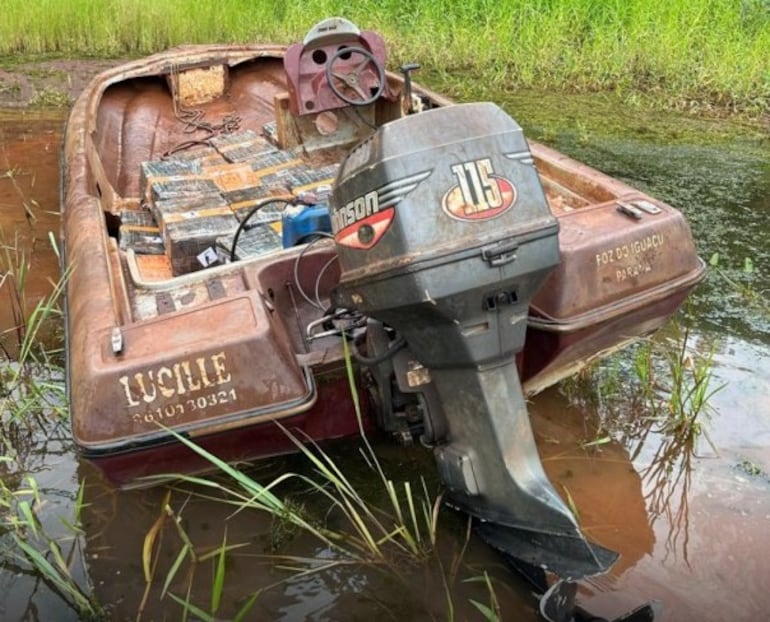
point(221, 354)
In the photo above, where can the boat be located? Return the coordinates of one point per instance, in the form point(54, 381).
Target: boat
point(240, 221)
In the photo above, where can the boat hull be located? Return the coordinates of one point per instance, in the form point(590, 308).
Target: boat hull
point(332, 416)
point(222, 355)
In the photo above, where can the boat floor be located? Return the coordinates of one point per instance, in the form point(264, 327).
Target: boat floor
point(245, 142)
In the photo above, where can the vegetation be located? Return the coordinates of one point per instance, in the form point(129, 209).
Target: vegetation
point(678, 51)
point(50, 557)
point(654, 399)
point(32, 405)
point(662, 384)
point(742, 282)
point(352, 529)
point(30, 373)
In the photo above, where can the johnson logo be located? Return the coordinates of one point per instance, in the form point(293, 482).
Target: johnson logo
point(479, 194)
point(361, 223)
point(355, 211)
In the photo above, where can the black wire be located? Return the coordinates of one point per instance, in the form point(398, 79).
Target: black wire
point(251, 213)
point(394, 347)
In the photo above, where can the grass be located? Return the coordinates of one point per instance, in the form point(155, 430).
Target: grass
point(397, 538)
point(394, 534)
point(662, 384)
point(682, 51)
point(195, 559)
point(31, 399)
point(30, 379)
point(51, 98)
point(655, 399)
point(49, 557)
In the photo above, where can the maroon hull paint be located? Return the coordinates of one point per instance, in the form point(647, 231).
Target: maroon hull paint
point(332, 417)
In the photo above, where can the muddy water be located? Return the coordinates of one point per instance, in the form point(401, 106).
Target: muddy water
point(29, 196)
point(691, 525)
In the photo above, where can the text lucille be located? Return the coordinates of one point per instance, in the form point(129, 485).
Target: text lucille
point(182, 378)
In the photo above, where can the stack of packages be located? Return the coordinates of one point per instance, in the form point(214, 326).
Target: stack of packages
point(267, 167)
point(139, 231)
point(190, 211)
point(193, 202)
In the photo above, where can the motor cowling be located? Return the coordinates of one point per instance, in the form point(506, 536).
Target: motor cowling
point(444, 233)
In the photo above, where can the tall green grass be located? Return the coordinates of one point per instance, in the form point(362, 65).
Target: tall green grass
point(716, 51)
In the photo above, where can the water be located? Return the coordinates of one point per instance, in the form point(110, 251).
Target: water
point(690, 525)
point(29, 196)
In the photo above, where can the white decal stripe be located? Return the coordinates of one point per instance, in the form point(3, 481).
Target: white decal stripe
point(525, 157)
point(392, 193)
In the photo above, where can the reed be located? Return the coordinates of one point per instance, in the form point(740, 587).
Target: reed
point(490, 612)
point(31, 375)
point(688, 385)
point(354, 533)
point(370, 534)
point(50, 557)
point(32, 403)
point(363, 534)
point(195, 559)
point(662, 384)
point(687, 51)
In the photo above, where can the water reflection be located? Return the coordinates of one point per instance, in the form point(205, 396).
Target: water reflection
point(667, 483)
point(29, 210)
point(294, 576)
point(38, 463)
point(596, 476)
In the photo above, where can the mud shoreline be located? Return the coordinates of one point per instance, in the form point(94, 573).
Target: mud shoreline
point(50, 82)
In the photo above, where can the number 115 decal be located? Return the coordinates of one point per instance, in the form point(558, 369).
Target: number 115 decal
point(479, 193)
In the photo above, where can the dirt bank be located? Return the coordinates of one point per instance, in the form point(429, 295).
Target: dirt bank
point(53, 82)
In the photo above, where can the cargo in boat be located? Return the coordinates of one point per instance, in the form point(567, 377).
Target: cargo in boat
point(231, 213)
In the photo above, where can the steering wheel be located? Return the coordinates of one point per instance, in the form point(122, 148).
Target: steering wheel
point(351, 79)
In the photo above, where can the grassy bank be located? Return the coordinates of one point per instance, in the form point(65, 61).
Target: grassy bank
point(679, 51)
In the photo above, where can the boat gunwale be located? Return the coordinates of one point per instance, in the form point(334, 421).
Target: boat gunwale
point(545, 322)
point(169, 61)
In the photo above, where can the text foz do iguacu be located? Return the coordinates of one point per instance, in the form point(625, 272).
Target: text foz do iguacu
point(630, 254)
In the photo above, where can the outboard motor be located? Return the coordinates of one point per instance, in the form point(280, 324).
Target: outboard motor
point(444, 234)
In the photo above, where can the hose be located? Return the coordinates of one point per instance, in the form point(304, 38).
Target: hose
point(251, 212)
